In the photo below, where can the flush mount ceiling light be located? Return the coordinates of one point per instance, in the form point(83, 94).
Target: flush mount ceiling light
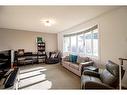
point(48, 22)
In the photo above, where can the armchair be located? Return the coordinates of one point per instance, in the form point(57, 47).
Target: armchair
point(108, 79)
point(53, 57)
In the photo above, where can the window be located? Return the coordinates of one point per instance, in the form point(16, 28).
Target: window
point(73, 44)
point(84, 43)
point(80, 43)
point(66, 44)
point(95, 42)
point(88, 45)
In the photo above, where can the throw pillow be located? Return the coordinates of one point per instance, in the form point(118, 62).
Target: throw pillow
point(70, 57)
point(56, 54)
point(52, 55)
point(73, 58)
point(82, 59)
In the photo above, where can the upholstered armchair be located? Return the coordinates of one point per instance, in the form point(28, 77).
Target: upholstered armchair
point(53, 57)
point(108, 79)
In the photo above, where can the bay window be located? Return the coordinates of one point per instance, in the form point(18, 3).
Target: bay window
point(85, 42)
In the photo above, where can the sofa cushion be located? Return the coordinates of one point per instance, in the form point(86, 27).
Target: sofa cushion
point(74, 66)
point(67, 63)
point(70, 57)
point(82, 59)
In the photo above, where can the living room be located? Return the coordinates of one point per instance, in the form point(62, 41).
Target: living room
point(96, 34)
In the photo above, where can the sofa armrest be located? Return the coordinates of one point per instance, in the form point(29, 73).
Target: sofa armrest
point(91, 73)
point(95, 85)
point(82, 65)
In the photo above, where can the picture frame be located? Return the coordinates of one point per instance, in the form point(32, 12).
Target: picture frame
point(39, 40)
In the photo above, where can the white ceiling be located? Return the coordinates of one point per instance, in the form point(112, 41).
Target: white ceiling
point(28, 17)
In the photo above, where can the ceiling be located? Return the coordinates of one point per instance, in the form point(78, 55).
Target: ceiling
point(29, 17)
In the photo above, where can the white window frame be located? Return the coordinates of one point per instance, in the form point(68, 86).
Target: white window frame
point(84, 53)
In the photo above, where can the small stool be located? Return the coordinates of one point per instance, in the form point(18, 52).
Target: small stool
point(92, 68)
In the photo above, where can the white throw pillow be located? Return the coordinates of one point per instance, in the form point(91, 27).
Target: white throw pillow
point(53, 55)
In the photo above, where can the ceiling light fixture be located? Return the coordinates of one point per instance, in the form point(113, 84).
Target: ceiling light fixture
point(48, 22)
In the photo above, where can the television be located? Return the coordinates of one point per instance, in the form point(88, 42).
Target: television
point(6, 60)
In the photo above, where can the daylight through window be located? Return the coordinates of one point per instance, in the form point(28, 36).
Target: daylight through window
point(85, 42)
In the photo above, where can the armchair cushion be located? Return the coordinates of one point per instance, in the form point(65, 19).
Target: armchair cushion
point(75, 66)
point(110, 75)
point(87, 78)
point(107, 77)
point(112, 68)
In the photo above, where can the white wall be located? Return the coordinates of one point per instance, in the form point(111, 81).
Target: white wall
point(19, 39)
point(112, 31)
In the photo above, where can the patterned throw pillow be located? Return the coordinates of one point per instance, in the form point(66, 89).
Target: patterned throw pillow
point(82, 59)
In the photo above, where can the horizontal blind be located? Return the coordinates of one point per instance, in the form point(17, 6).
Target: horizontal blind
point(88, 30)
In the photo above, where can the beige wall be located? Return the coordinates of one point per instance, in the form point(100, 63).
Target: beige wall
point(18, 39)
point(112, 32)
